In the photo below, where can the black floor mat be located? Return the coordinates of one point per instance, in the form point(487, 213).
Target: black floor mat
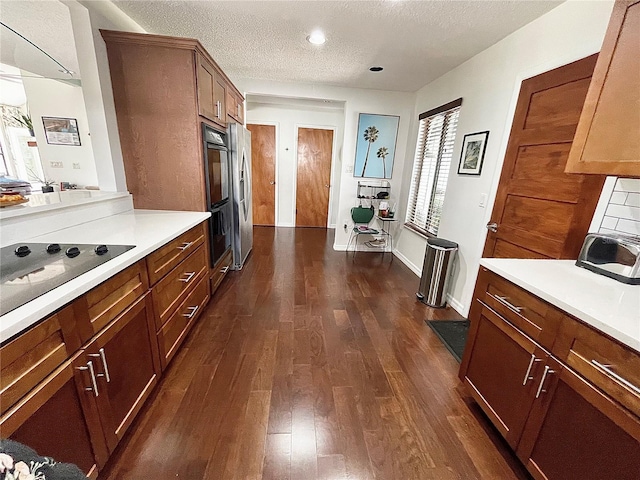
point(453, 334)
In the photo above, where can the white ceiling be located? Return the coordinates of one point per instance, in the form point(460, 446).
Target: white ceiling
point(46, 23)
point(416, 41)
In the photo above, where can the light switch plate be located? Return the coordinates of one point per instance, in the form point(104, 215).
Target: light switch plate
point(56, 165)
point(349, 169)
point(76, 166)
point(483, 200)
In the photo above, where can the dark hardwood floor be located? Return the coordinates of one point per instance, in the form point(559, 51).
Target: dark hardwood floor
point(309, 364)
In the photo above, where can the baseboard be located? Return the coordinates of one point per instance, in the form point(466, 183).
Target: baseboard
point(455, 304)
point(413, 267)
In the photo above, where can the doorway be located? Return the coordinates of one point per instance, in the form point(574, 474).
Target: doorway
point(540, 211)
point(313, 178)
point(263, 167)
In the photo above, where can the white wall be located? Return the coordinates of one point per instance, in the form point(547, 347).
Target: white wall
point(356, 101)
point(489, 84)
point(51, 98)
point(287, 118)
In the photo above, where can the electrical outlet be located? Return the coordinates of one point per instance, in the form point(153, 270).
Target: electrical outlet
point(349, 169)
point(56, 165)
point(76, 166)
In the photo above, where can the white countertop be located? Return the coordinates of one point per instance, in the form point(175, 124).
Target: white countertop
point(41, 202)
point(606, 304)
point(146, 229)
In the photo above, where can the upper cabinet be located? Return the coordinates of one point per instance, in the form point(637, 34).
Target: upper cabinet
point(607, 139)
point(235, 106)
point(212, 91)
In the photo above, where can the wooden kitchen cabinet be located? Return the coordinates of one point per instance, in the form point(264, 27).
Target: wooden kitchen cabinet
point(607, 140)
point(212, 92)
point(500, 372)
point(576, 431)
point(58, 419)
point(565, 396)
point(235, 105)
point(127, 368)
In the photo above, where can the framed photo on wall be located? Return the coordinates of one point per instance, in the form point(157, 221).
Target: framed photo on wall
point(61, 131)
point(474, 146)
point(375, 145)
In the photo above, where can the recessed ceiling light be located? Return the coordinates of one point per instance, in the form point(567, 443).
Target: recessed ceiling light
point(376, 69)
point(316, 38)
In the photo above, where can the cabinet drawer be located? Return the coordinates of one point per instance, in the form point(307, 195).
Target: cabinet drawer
point(172, 289)
point(111, 298)
point(613, 368)
point(172, 334)
point(220, 270)
point(29, 358)
point(163, 260)
point(536, 318)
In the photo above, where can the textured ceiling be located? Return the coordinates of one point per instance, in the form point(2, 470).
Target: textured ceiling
point(415, 41)
point(47, 23)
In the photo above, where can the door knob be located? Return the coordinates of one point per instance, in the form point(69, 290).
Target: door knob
point(272, 183)
point(327, 185)
point(492, 227)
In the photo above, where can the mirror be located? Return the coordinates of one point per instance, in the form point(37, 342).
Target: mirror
point(44, 135)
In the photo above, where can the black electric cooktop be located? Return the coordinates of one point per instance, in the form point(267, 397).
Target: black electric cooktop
point(28, 270)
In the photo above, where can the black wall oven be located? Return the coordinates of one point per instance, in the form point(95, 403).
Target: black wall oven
point(218, 187)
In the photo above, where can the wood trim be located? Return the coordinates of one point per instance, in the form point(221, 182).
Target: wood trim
point(442, 108)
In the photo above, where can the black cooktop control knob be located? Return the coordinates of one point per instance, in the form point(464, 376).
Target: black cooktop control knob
point(101, 249)
point(22, 251)
point(72, 252)
point(53, 248)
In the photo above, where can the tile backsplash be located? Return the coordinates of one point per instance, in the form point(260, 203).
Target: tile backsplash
point(622, 212)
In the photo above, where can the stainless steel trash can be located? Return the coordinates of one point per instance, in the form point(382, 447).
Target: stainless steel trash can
point(436, 270)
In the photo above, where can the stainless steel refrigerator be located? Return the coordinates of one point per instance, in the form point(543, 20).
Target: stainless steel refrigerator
point(242, 225)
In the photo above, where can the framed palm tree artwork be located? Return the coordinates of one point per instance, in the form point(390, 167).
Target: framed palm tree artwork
point(376, 145)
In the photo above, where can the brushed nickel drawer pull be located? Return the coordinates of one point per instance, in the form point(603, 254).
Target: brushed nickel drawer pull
point(189, 275)
point(185, 245)
point(606, 369)
point(224, 270)
point(547, 371)
point(92, 372)
point(504, 301)
point(192, 312)
point(526, 375)
point(105, 366)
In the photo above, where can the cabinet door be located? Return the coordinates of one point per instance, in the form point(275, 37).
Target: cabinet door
point(127, 365)
point(59, 419)
point(502, 371)
point(576, 431)
point(206, 80)
point(240, 109)
point(220, 100)
point(607, 139)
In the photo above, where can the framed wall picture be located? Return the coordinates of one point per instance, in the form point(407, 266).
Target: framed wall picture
point(376, 145)
point(474, 146)
point(61, 131)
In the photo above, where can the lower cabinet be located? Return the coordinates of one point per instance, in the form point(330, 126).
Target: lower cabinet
point(576, 431)
point(501, 373)
point(59, 419)
point(563, 420)
point(125, 368)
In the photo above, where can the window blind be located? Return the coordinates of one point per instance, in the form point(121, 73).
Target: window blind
point(431, 165)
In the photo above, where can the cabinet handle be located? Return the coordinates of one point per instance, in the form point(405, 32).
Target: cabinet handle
point(224, 270)
point(191, 313)
point(218, 108)
point(188, 278)
point(185, 245)
point(547, 371)
point(504, 301)
point(606, 369)
point(531, 362)
point(105, 366)
point(239, 109)
point(92, 372)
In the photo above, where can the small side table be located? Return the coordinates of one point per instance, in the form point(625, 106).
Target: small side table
point(384, 232)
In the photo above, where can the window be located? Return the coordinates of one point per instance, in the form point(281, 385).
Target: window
point(436, 136)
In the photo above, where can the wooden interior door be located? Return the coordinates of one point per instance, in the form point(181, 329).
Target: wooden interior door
point(314, 176)
point(540, 211)
point(263, 167)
